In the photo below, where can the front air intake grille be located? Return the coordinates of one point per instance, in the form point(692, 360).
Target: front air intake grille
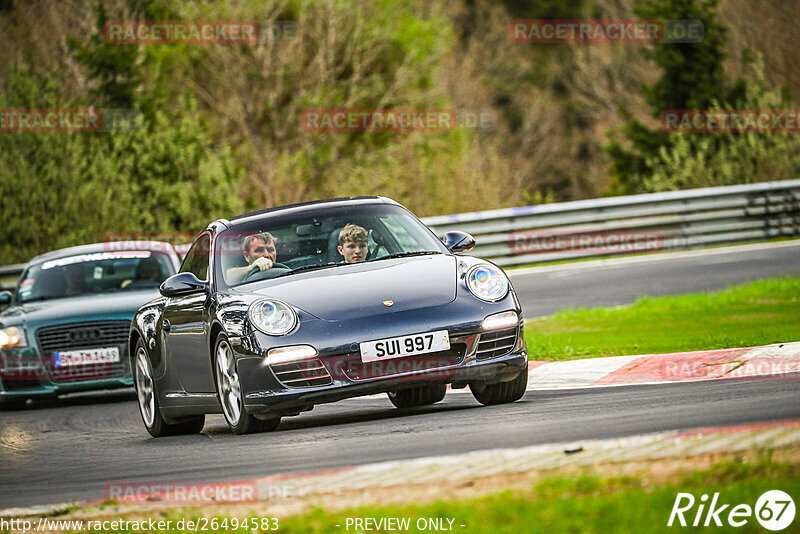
point(84, 336)
point(424, 365)
point(496, 343)
point(304, 374)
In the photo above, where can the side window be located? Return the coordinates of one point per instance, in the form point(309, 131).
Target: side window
point(196, 261)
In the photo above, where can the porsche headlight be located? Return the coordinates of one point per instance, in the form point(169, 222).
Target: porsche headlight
point(272, 317)
point(12, 336)
point(487, 282)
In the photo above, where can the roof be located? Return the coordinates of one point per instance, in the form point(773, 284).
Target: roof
point(308, 206)
point(156, 246)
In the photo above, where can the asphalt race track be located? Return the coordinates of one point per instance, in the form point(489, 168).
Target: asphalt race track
point(69, 449)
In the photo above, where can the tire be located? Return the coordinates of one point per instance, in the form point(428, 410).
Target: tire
point(149, 408)
point(229, 392)
point(502, 392)
point(418, 396)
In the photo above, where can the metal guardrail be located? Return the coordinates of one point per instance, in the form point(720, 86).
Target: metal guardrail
point(9, 275)
point(631, 224)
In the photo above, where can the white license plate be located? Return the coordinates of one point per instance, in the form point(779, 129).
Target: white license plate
point(397, 347)
point(69, 358)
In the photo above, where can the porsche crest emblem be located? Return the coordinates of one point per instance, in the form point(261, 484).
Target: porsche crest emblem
point(388, 303)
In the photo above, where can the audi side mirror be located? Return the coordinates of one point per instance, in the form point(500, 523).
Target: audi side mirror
point(5, 298)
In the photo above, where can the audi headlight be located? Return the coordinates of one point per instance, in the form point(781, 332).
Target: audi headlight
point(272, 317)
point(487, 282)
point(12, 336)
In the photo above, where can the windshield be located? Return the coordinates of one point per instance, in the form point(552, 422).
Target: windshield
point(93, 273)
point(323, 238)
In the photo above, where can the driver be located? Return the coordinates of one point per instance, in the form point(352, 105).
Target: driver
point(148, 270)
point(75, 284)
point(259, 252)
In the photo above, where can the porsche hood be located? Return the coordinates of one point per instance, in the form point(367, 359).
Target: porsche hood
point(368, 289)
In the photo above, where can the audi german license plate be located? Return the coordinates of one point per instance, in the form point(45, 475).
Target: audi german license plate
point(70, 358)
point(397, 347)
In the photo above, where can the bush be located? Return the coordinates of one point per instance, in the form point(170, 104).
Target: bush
point(60, 189)
point(706, 160)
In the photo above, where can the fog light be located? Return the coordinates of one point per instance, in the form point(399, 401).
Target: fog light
point(501, 320)
point(290, 354)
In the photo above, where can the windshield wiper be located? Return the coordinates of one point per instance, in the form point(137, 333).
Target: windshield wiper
point(407, 254)
point(36, 299)
point(309, 268)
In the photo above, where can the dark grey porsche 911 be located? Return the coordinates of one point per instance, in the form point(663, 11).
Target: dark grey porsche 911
point(275, 311)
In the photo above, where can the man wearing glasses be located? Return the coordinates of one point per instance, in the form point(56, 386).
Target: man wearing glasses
point(259, 252)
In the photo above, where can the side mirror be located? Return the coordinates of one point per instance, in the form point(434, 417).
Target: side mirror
point(458, 242)
point(181, 284)
point(5, 298)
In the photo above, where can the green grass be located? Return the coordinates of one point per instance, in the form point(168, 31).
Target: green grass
point(581, 503)
point(759, 313)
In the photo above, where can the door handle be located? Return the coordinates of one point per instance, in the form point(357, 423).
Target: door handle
point(165, 325)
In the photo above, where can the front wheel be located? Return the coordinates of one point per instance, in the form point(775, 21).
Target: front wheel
point(418, 396)
point(147, 397)
point(503, 392)
point(229, 390)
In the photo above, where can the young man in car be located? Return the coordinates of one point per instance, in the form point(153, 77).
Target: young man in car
point(353, 243)
point(259, 252)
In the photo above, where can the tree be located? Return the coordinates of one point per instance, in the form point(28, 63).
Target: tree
point(692, 77)
point(58, 189)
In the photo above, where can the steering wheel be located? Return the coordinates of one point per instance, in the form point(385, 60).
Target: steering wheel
point(276, 270)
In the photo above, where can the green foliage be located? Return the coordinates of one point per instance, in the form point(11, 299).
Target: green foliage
point(228, 117)
point(544, 9)
point(60, 189)
point(692, 77)
point(700, 160)
point(112, 66)
point(691, 73)
point(758, 313)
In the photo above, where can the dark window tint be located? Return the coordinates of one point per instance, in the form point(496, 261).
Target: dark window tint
point(196, 261)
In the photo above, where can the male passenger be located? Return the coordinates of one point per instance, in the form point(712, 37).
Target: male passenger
point(259, 252)
point(353, 243)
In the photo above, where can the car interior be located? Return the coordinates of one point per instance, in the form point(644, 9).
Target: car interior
point(303, 245)
point(96, 277)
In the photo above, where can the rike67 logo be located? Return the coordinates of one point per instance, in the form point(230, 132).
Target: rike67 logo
point(774, 510)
